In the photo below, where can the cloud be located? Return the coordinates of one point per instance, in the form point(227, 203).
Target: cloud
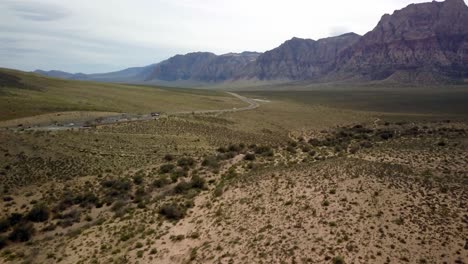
point(37, 11)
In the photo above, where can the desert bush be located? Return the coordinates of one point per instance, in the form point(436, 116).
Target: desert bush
point(4, 225)
point(22, 232)
point(338, 260)
point(366, 144)
point(166, 168)
point(234, 148)
point(161, 182)
point(197, 182)
point(179, 172)
point(263, 150)
point(222, 150)
point(186, 162)
point(117, 187)
point(211, 161)
point(227, 155)
point(171, 211)
point(182, 187)
point(3, 242)
point(39, 213)
point(386, 135)
point(138, 179)
point(314, 142)
point(291, 149)
point(249, 156)
point(305, 148)
point(168, 157)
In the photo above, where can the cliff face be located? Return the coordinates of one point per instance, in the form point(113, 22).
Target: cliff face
point(202, 66)
point(301, 58)
point(428, 38)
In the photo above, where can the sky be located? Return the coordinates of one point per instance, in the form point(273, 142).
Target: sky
point(92, 36)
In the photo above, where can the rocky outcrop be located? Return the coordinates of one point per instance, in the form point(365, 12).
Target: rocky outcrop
point(300, 59)
point(202, 66)
point(429, 38)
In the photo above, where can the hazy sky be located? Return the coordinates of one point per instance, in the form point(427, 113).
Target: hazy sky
point(106, 35)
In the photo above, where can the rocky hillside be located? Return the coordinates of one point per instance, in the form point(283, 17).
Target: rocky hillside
point(422, 43)
point(299, 59)
point(428, 39)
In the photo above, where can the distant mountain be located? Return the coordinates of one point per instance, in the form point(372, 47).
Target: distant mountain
point(301, 59)
point(61, 74)
point(425, 42)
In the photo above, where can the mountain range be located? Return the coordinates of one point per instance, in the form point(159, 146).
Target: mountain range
point(422, 43)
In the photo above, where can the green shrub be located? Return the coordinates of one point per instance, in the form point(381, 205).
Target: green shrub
point(291, 149)
point(161, 182)
point(168, 157)
point(338, 260)
point(22, 232)
point(249, 156)
point(197, 182)
point(166, 168)
point(3, 242)
point(138, 179)
point(39, 213)
point(222, 150)
point(261, 150)
point(186, 162)
point(182, 187)
point(4, 225)
point(171, 211)
point(211, 162)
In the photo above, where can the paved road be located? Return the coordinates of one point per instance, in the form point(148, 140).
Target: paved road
point(124, 118)
point(252, 104)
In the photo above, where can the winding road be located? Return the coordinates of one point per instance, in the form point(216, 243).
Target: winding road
point(124, 118)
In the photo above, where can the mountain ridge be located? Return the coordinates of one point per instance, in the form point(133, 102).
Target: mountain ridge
point(421, 43)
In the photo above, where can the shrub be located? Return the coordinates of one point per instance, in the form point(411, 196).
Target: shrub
point(15, 218)
point(179, 172)
point(211, 162)
point(182, 187)
point(3, 242)
point(386, 135)
point(4, 225)
point(366, 144)
point(234, 148)
point(249, 156)
point(186, 162)
point(39, 213)
point(197, 182)
point(138, 179)
point(166, 168)
point(161, 182)
point(222, 150)
point(262, 149)
point(291, 149)
point(338, 260)
point(168, 157)
point(22, 232)
point(314, 142)
point(305, 148)
point(172, 211)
